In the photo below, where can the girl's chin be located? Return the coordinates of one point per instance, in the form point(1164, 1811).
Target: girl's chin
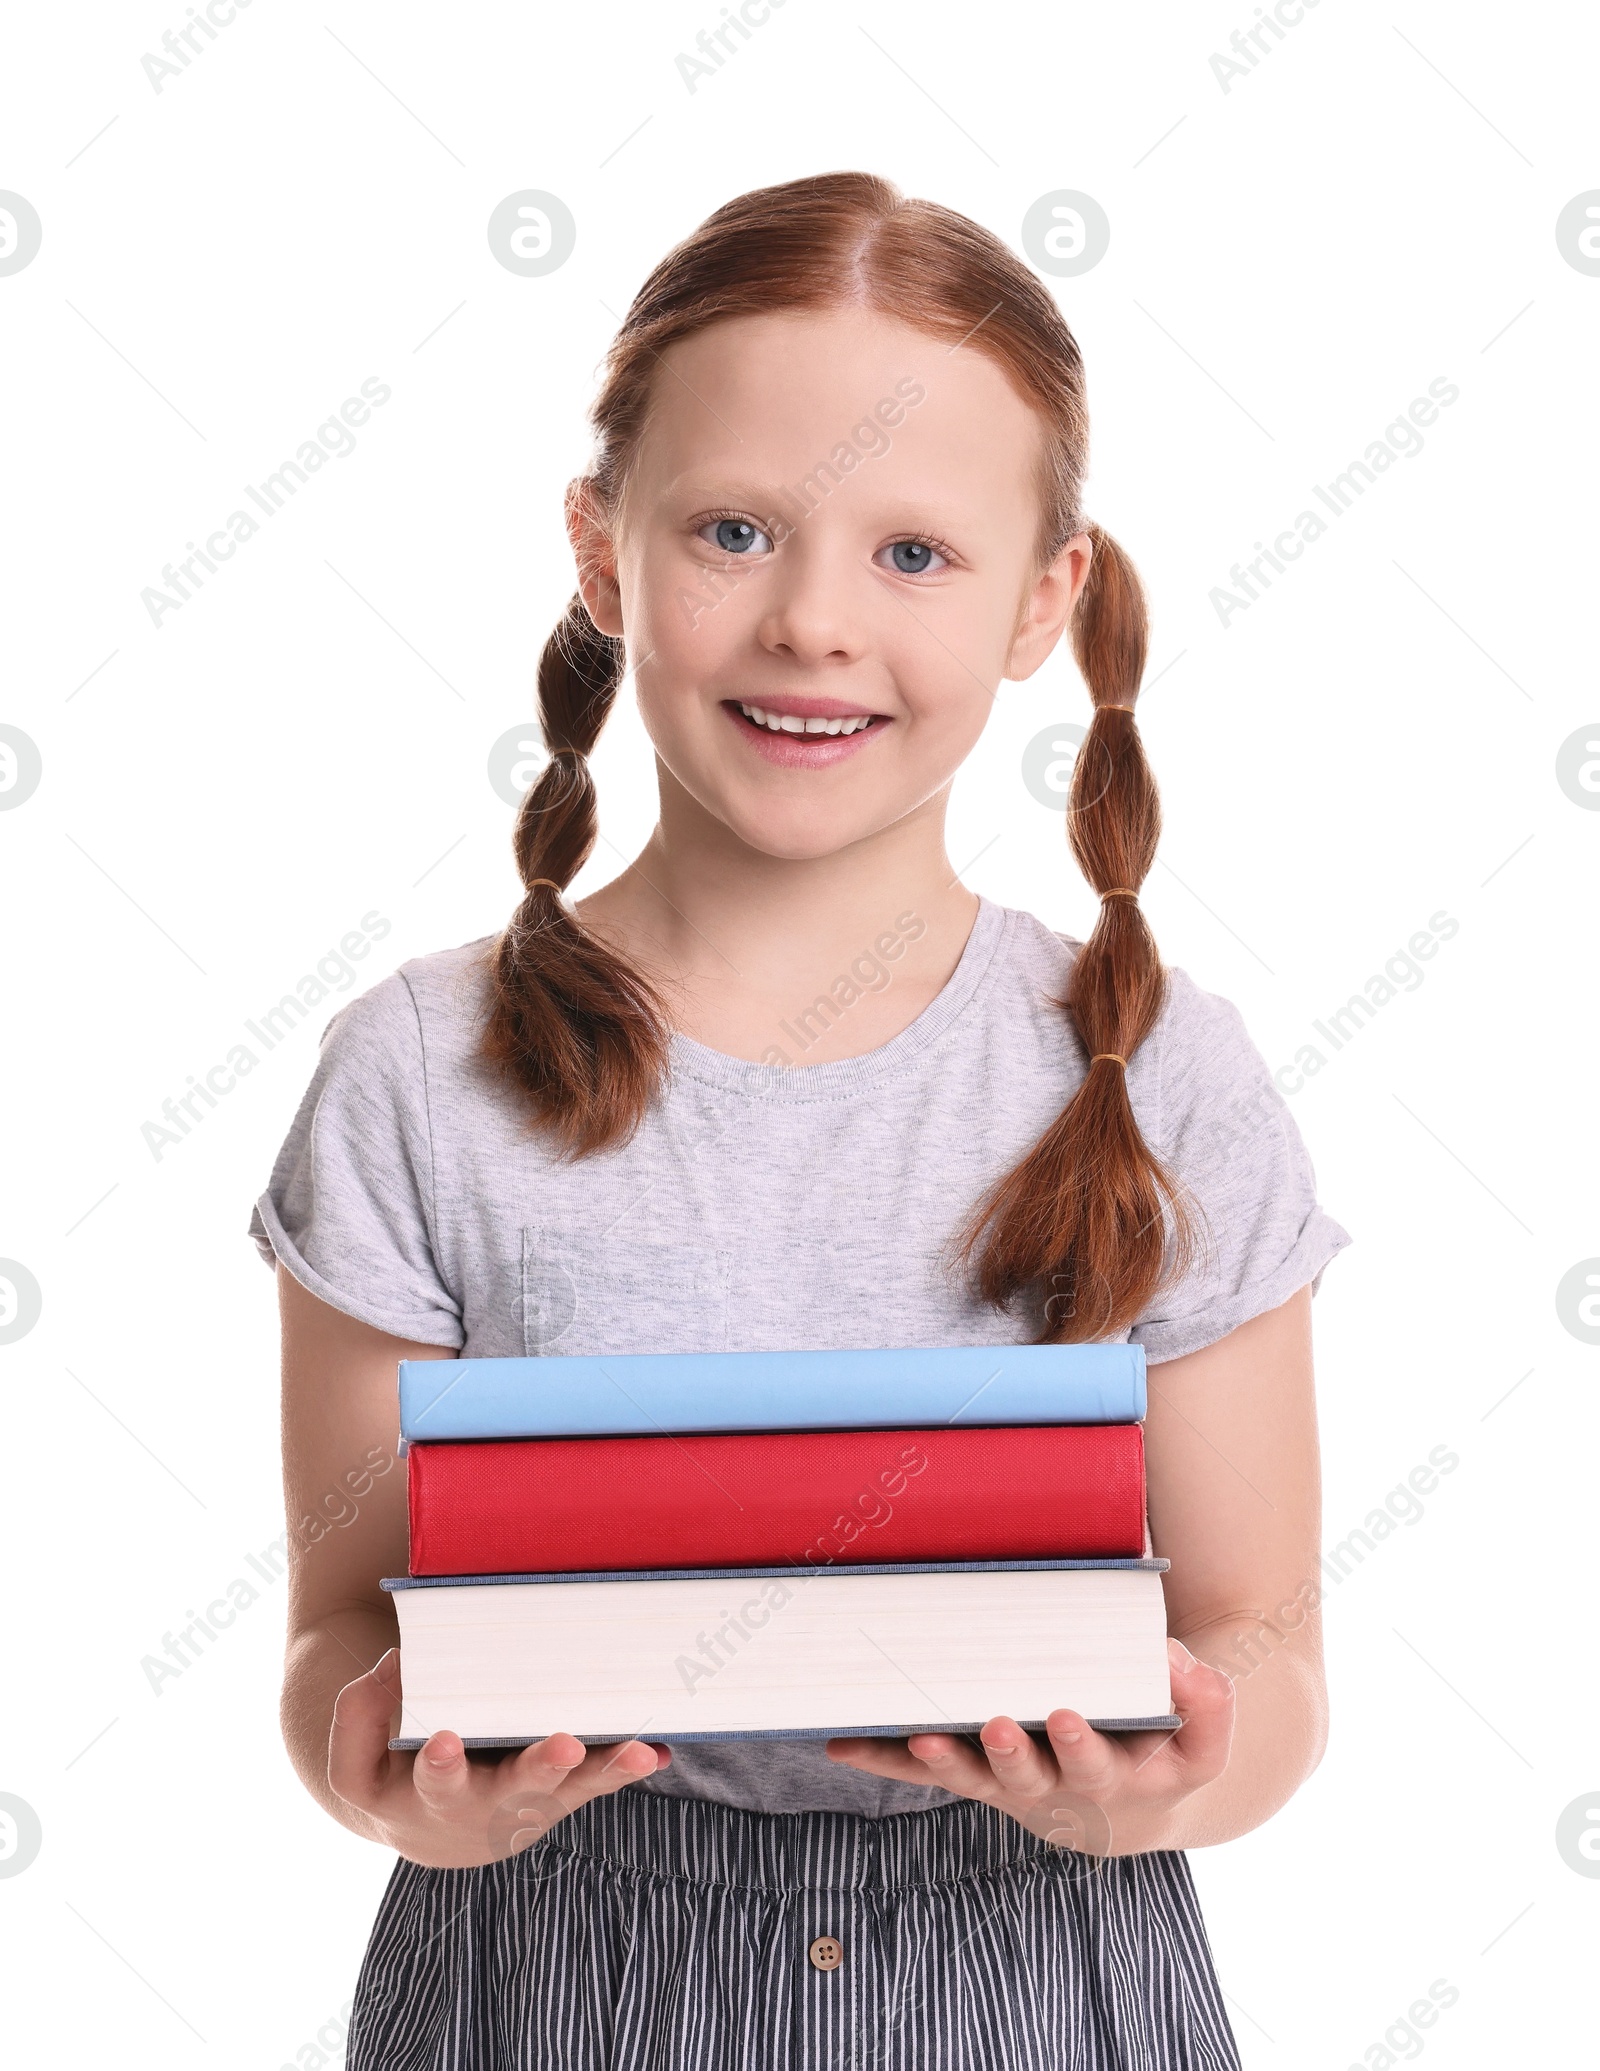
point(797, 835)
point(807, 848)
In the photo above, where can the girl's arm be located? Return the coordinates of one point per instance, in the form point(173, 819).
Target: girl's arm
point(345, 1503)
point(345, 1498)
point(1234, 1492)
point(1236, 1505)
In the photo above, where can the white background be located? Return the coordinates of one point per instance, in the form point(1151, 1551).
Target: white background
point(1373, 741)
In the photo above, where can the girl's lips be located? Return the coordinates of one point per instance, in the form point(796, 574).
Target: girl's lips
point(804, 750)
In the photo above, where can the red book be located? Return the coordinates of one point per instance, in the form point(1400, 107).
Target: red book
point(776, 1498)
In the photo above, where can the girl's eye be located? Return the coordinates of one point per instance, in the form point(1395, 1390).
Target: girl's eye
point(735, 536)
point(913, 557)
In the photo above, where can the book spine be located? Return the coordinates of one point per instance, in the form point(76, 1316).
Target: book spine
point(808, 1499)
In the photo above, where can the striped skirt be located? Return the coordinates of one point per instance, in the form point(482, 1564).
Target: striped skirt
point(650, 1933)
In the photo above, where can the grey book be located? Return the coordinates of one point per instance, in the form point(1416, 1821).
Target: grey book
point(692, 1654)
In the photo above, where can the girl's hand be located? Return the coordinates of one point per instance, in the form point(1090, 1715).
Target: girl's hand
point(438, 1808)
point(1077, 1789)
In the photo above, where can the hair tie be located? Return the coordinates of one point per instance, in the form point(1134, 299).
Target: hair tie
point(1120, 891)
point(534, 882)
point(1115, 1059)
point(1113, 708)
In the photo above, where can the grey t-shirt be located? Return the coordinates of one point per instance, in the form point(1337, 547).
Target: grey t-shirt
point(764, 1208)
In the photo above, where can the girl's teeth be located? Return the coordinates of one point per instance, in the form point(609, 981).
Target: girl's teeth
point(790, 722)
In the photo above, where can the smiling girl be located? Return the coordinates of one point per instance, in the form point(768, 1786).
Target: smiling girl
point(834, 504)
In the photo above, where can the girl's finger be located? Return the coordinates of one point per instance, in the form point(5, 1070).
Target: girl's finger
point(883, 1757)
point(358, 1740)
point(1016, 1760)
point(1089, 1762)
point(954, 1765)
point(879, 1757)
point(441, 1774)
point(1203, 1697)
point(933, 1760)
point(543, 1783)
point(539, 1770)
point(607, 1769)
point(526, 1792)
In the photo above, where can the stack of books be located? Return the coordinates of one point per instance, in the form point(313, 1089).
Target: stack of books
point(729, 1545)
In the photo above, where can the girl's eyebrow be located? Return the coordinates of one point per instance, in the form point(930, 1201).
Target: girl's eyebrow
point(719, 488)
point(905, 512)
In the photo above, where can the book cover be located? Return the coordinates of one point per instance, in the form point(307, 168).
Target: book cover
point(743, 1500)
point(574, 1396)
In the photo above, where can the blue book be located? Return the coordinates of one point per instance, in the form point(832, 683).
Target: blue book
point(564, 1396)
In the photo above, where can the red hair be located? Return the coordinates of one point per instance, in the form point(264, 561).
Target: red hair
point(1080, 1227)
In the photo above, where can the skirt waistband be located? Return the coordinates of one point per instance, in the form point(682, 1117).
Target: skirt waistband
point(709, 1843)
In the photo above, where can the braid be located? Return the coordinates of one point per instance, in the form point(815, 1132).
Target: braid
point(1080, 1221)
point(583, 1035)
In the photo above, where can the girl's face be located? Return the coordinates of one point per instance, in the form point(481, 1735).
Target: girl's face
point(824, 565)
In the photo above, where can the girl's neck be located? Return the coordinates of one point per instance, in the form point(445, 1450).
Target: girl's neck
point(813, 959)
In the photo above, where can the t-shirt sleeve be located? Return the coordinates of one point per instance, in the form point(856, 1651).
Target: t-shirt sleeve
point(349, 1207)
point(1226, 1134)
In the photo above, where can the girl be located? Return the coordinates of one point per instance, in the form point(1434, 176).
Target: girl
point(786, 1082)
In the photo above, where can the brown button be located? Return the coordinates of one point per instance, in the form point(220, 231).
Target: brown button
point(826, 1953)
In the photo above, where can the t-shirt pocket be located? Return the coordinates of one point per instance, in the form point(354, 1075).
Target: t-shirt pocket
point(639, 1293)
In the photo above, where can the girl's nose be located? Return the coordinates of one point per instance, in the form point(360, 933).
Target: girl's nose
point(811, 617)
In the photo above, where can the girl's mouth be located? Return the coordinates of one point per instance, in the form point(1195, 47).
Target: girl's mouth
point(804, 732)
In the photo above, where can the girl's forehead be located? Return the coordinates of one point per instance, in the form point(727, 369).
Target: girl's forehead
point(782, 390)
point(811, 352)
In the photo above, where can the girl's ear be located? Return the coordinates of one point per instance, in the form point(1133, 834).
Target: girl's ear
point(1047, 609)
point(595, 553)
